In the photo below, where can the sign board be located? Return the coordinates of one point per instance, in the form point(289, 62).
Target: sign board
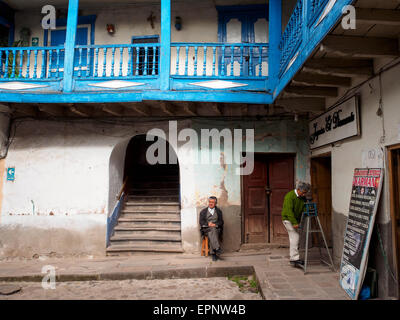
point(35, 42)
point(11, 174)
point(366, 190)
point(336, 124)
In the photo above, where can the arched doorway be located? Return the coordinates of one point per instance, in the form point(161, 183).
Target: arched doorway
point(150, 217)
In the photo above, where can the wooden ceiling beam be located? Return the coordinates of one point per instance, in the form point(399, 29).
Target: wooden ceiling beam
point(140, 107)
point(356, 46)
point(302, 104)
point(26, 110)
point(113, 109)
point(81, 110)
point(167, 108)
point(217, 108)
point(341, 67)
point(385, 17)
point(322, 80)
point(54, 110)
point(312, 91)
point(190, 108)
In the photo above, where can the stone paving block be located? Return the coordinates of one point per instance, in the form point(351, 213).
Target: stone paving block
point(285, 293)
point(278, 286)
point(327, 284)
point(277, 280)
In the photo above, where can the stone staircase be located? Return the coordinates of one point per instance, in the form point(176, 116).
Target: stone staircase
point(150, 220)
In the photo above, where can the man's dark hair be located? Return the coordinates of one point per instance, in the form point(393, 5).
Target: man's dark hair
point(214, 198)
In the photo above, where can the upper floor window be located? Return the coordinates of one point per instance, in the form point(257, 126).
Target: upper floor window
point(146, 61)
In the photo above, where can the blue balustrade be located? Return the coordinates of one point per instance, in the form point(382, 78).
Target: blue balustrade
point(29, 63)
point(222, 59)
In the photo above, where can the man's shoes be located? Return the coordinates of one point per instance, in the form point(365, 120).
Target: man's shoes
point(218, 251)
point(214, 257)
point(297, 263)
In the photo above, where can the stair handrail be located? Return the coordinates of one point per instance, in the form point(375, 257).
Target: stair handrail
point(122, 190)
point(113, 219)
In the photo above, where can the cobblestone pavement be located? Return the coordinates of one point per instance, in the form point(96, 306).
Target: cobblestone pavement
point(193, 289)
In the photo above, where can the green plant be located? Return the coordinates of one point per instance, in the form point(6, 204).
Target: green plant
point(11, 59)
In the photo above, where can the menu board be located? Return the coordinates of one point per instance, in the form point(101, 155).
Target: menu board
point(366, 189)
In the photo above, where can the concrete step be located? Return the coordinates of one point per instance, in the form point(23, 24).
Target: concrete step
point(151, 208)
point(147, 233)
point(148, 228)
point(155, 192)
point(150, 199)
point(145, 237)
point(149, 218)
point(131, 249)
point(126, 222)
point(144, 217)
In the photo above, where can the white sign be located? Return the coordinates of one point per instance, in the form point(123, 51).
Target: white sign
point(336, 124)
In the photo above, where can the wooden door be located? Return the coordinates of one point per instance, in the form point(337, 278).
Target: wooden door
point(281, 181)
point(321, 182)
point(394, 179)
point(255, 203)
point(263, 193)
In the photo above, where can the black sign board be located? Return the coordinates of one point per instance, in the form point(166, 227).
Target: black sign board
point(366, 189)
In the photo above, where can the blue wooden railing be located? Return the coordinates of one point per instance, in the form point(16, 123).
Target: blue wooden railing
point(314, 10)
point(31, 63)
point(117, 61)
point(113, 219)
point(220, 59)
point(292, 36)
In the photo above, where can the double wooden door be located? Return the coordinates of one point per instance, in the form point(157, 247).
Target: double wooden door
point(263, 193)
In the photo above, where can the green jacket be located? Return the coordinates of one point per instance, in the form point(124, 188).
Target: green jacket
point(293, 207)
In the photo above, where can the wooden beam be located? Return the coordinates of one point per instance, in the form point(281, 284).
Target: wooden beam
point(27, 110)
point(378, 16)
point(322, 80)
point(190, 108)
point(217, 108)
point(244, 109)
point(5, 108)
point(342, 67)
point(140, 107)
point(167, 108)
point(302, 104)
point(312, 91)
point(80, 110)
point(54, 110)
point(113, 109)
point(370, 47)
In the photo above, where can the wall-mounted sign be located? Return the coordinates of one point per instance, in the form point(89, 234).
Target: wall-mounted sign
point(336, 124)
point(35, 42)
point(11, 174)
point(366, 190)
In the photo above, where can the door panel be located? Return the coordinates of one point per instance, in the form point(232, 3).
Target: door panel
point(281, 181)
point(262, 212)
point(58, 39)
point(322, 193)
point(255, 204)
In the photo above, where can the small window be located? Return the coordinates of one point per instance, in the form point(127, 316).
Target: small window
point(150, 65)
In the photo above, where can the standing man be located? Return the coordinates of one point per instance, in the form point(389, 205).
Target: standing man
point(211, 225)
point(293, 208)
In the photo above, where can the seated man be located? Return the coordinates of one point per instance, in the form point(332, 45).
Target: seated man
point(211, 224)
point(292, 210)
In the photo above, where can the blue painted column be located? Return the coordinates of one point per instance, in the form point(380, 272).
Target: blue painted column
point(165, 57)
point(275, 34)
point(72, 23)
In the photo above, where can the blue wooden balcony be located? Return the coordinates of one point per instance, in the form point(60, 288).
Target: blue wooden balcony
point(210, 72)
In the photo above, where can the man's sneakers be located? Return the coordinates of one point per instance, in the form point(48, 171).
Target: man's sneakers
point(297, 263)
point(214, 257)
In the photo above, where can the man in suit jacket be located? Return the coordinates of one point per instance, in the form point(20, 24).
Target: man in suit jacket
point(211, 224)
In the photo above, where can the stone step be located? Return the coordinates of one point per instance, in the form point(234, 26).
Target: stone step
point(150, 199)
point(155, 192)
point(148, 228)
point(125, 231)
point(126, 222)
point(129, 249)
point(149, 218)
point(145, 237)
point(173, 207)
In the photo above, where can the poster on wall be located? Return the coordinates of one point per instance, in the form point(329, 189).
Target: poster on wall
point(338, 123)
point(365, 193)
